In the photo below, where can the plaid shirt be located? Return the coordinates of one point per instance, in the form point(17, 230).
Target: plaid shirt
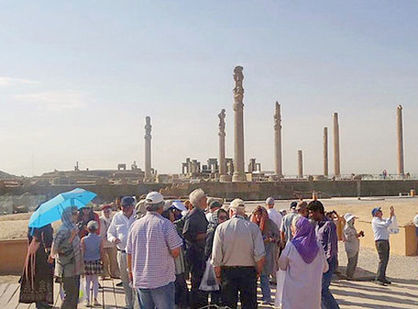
point(149, 242)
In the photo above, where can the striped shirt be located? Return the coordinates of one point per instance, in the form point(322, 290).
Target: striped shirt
point(149, 242)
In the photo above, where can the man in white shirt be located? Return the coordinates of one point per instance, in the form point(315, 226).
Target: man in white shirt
point(380, 228)
point(274, 215)
point(118, 235)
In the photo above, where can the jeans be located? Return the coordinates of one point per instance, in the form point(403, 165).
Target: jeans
point(124, 276)
point(265, 287)
point(327, 300)
point(160, 298)
point(242, 280)
point(383, 249)
point(71, 287)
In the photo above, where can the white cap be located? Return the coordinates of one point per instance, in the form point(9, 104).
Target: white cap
point(179, 205)
point(237, 203)
point(348, 217)
point(154, 198)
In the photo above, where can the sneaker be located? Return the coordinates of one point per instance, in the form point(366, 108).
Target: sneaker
point(380, 282)
point(87, 303)
point(96, 303)
point(387, 281)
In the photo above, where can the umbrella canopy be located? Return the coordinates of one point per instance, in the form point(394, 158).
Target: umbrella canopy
point(51, 210)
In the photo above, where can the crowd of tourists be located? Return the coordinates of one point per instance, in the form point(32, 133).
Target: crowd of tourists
point(154, 246)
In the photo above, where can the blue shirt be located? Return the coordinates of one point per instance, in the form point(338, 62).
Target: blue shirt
point(150, 241)
point(326, 233)
point(92, 247)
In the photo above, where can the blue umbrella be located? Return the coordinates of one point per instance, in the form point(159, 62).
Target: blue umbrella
point(51, 210)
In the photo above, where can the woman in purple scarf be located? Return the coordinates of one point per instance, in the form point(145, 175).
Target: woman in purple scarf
point(301, 264)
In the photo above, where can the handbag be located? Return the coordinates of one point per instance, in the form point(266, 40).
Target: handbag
point(209, 282)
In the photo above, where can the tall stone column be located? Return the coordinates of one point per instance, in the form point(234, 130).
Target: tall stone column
point(300, 164)
point(148, 176)
point(223, 177)
point(278, 141)
point(239, 173)
point(337, 171)
point(399, 126)
point(325, 151)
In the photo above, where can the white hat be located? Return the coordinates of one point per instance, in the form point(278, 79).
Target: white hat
point(348, 217)
point(154, 198)
point(179, 205)
point(237, 203)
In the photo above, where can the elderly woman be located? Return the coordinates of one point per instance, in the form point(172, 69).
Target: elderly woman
point(270, 233)
point(86, 214)
point(351, 243)
point(69, 263)
point(301, 265)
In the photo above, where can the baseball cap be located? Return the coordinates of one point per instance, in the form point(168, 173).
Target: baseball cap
point(214, 204)
point(127, 201)
point(154, 198)
point(293, 205)
point(237, 203)
point(348, 217)
point(270, 201)
point(375, 210)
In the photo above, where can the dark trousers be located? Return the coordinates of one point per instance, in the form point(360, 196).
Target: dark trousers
point(71, 286)
point(198, 298)
point(181, 291)
point(242, 280)
point(383, 248)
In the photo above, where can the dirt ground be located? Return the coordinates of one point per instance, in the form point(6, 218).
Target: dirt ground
point(15, 226)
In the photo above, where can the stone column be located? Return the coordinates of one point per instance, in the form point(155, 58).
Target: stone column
point(278, 141)
point(399, 125)
point(239, 173)
point(300, 164)
point(148, 176)
point(223, 177)
point(326, 151)
point(337, 171)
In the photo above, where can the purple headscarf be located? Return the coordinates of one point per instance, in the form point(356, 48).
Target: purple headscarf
point(305, 240)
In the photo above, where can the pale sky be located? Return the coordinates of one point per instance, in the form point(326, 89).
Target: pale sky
point(77, 79)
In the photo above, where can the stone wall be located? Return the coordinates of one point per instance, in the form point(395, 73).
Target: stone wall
point(248, 191)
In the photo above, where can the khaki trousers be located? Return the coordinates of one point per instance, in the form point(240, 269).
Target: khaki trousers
point(110, 263)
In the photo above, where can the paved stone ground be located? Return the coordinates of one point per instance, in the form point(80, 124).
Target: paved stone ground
point(361, 293)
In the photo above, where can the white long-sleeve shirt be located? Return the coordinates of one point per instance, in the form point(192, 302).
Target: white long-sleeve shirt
point(381, 228)
point(275, 216)
point(119, 228)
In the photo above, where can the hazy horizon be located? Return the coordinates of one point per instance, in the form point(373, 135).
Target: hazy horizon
point(77, 80)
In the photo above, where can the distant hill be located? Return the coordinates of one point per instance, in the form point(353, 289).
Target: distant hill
point(4, 175)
